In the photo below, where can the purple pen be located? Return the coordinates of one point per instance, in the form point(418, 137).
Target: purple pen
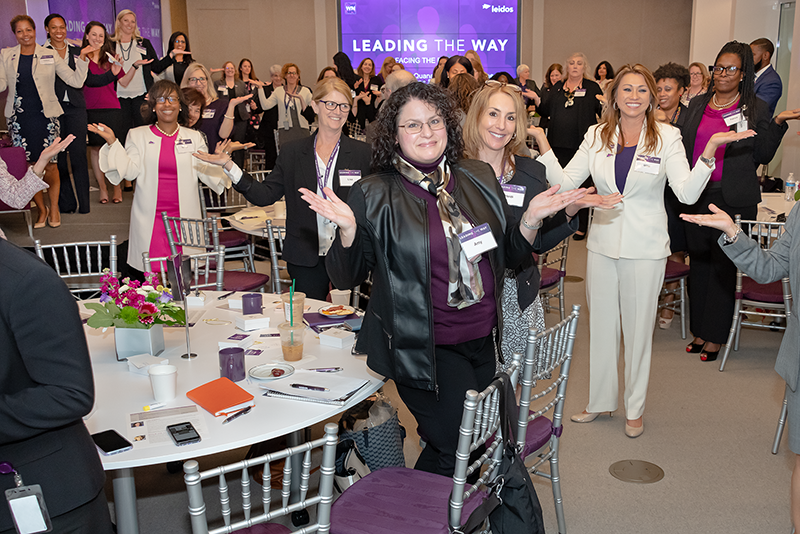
point(326, 369)
point(308, 388)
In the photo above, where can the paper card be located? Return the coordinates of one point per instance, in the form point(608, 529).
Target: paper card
point(47, 60)
point(184, 146)
point(647, 164)
point(733, 117)
point(741, 126)
point(515, 194)
point(209, 113)
point(477, 241)
point(374, 87)
point(349, 177)
point(580, 92)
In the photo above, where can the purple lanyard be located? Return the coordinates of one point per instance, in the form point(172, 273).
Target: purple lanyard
point(323, 181)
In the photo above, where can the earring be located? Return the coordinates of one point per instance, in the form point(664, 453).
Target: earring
point(514, 136)
point(614, 105)
point(651, 107)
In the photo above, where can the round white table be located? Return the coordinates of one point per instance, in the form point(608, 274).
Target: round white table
point(120, 393)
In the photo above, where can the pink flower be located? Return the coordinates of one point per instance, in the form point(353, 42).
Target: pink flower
point(146, 319)
point(148, 308)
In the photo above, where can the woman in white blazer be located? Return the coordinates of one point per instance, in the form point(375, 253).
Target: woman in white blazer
point(631, 153)
point(159, 157)
point(32, 107)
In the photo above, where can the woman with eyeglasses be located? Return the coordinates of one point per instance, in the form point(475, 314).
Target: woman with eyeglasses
point(698, 82)
point(159, 157)
point(632, 154)
point(729, 104)
point(435, 303)
point(173, 66)
point(231, 87)
point(291, 99)
point(326, 160)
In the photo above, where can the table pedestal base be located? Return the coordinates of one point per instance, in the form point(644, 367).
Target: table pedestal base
point(125, 501)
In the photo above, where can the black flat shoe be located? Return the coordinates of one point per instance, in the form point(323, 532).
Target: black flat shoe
point(709, 355)
point(695, 348)
point(578, 237)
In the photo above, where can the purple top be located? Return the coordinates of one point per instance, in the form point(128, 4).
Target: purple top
point(622, 164)
point(211, 120)
point(451, 325)
point(711, 123)
point(104, 97)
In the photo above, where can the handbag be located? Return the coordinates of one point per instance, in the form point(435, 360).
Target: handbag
point(512, 505)
point(380, 441)
point(350, 466)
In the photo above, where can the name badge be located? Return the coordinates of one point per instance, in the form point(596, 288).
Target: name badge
point(477, 241)
point(373, 87)
point(580, 92)
point(741, 125)
point(223, 89)
point(29, 509)
point(733, 117)
point(184, 146)
point(347, 178)
point(352, 93)
point(47, 60)
point(515, 194)
point(647, 164)
point(209, 113)
point(142, 50)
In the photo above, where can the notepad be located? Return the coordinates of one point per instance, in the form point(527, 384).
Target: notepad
point(221, 397)
point(339, 388)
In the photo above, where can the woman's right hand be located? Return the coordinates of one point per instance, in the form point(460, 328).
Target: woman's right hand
point(239, 99)
point(116, 67)
point(103, 131)
point(334, 210)
point(540, 138)
point(717, 219)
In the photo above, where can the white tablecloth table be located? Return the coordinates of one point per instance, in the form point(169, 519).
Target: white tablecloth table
point(119, 393)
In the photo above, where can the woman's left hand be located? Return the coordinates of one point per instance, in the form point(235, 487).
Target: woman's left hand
point(233, 146)
point(221, 155)
point(723, 138)
point(86, 50)
point(788, 115)
point(717, 219)
point(548, 203)
point(139, 62)
point(593, 200)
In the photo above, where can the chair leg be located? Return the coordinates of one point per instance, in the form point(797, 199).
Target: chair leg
point(561, 306)
point(781, 423)
point(731, 335)
point(683, 307)
point(555, 480)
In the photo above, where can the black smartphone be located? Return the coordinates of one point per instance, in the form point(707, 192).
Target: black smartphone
point(183, 434)
point(111, 442)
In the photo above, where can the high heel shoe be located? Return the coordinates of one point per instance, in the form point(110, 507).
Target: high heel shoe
point(585, 417)
point(42, 224)
point(709, 355)
point(633, 431)
point(52, 224)
point(695, 348)
point(664, 323)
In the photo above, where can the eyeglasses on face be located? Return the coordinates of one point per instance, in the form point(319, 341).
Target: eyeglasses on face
point(291, 73)
point(695, 74)
point(180, 41)
point(331, 105)
point(729, 71)
point(436, 123)
point(495, 83)
point(170, 99)
point(199, 79)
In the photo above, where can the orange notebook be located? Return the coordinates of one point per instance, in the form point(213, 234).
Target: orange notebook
point(221, 397)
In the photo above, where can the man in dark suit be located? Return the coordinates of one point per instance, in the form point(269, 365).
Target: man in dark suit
point(46, 386)
point(768, 84)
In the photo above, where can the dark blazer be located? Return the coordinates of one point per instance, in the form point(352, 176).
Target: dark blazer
point(739, 177)
point(75, 95)
point(568, 125)
point(768, 88)
point(46, 386)
point(295, 168)
point(239, 89)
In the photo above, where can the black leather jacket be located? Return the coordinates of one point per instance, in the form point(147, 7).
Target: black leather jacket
point(391, 241)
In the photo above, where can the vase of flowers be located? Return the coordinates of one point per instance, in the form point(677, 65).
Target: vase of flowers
point(137, 311)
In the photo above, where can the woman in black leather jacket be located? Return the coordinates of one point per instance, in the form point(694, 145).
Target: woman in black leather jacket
point(433, 315)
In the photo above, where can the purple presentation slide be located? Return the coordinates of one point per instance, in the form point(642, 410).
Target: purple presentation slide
point(417, 32)
point(148, 18)
point(78, 13)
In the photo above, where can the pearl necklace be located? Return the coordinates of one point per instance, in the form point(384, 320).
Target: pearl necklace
point(165, 133)
point(59, 49)
point(726, 104)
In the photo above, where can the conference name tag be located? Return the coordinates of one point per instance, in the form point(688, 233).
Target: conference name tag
point(47, 60)
point(373, 87)
point(515, 194)
point(580, 92)
point(209, 113)
point(28, 509)
point(184, 146)
point(647, 164)
point(733, 117)
point(142, 50)
point(347, 178)
point(477, 241)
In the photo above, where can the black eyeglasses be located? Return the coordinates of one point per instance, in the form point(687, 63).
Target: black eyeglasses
point(730, 71)
point(197, 80)
point(330, 105)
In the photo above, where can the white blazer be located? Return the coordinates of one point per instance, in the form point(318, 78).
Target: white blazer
point(637, 227)
point(139, 161)
point(44, 76)
point(277, 98)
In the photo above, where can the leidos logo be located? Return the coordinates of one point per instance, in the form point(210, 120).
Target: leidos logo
point(498, 9)
point(350, 8)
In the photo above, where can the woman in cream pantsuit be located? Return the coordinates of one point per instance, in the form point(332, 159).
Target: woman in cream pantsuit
point(629, 153)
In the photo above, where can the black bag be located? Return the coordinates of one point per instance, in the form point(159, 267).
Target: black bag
point(512, 506)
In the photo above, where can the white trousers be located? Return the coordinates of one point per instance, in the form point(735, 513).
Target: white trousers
point(626, 289)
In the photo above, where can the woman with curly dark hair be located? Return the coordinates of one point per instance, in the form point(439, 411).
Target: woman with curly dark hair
point(430, 324)
point(603, 74)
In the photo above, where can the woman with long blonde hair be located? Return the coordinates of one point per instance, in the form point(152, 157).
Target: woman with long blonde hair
point(632, 154)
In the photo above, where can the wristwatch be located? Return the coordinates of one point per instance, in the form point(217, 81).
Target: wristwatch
point(708, 161)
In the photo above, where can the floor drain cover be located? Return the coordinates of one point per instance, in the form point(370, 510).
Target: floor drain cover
point(573, 279)
point(637, 471)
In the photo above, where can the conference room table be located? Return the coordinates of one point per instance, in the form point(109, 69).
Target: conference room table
point(121, 395)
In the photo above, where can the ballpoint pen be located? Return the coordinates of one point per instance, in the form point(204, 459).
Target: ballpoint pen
point(326, 369)
point(308, 388)
point(237, 415)
point(226, 295)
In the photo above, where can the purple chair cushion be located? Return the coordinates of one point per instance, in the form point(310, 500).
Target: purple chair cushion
point(675, 271)
point(772, 292)
point(538, 434)
point(550, 277)
point(264, 528)
point(397, 499)
point(233, 238)
point(241, 280)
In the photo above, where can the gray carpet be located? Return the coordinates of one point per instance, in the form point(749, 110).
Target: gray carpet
point(711, 432)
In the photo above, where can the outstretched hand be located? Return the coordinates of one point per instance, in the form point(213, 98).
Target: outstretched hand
point(334, 210)
point(593, 200)
point(788, 115)
point(103, 131)
point(716, 219)
point(548, 203)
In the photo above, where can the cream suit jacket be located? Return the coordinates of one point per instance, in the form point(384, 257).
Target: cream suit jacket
point(637, 227)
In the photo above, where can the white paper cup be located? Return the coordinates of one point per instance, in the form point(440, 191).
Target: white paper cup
point(164, 380)
point(340, 296)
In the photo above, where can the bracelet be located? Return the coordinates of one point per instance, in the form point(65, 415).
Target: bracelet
point(228, 117)
point(531, 227)
point(730, 240)
point(135, 67)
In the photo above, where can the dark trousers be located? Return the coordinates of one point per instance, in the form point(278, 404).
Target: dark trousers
point(90, 517)
point(74, 122)
point(712, 278)
point(238, 134)
point(564, 155)
point(468, 365)
point(132, 116)
point(313, 281)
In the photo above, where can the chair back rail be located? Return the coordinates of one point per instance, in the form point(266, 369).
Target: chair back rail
point(206, 274)
point(80, 264)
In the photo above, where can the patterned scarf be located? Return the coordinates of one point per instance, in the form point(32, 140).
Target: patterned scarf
point(464, 287)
